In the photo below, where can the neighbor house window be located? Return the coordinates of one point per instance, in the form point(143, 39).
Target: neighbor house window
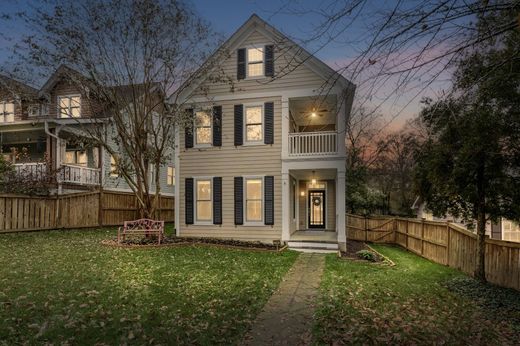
point(114, 170)
point(69, 106)
point(6, 112)
point(204, 201)
point(203, 127)
point(253, 199)
point(170, 178)
point(75, 157)
point(253, 126)
point(255, 62)
point(33, 111)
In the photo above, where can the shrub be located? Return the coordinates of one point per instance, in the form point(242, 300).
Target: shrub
point(367, 255)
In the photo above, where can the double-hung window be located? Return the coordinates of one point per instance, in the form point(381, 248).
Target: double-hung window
point(203, 128)
point(114, 168)
point(69, 106)
point(6, 112)
point(255, 62)
point(203, 197)
point(170, 177)
point(254, 124)
point(254, 199)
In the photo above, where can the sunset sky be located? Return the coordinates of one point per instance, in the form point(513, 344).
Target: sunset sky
point(227, 15)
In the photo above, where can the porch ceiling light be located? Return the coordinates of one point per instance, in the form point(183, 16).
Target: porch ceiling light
point(313, 181)
point(313, 114)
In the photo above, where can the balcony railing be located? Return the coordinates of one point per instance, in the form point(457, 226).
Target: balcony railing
point(304, 144)
point(79, 175)
point(32, 170)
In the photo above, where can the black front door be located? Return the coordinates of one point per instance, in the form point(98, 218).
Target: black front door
point(316, 209)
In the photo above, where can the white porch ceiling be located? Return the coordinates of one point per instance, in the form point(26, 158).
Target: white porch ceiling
point(302, 108)
point(318, 174)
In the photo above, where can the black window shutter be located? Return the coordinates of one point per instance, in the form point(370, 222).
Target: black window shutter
point(269, 200)
point(217, 200)
point(241, 63)
point(188, 194)
point(188, 135)
point(239, 201)
point(269, 60)
point(269, 123)
point(217, 126)
point(239, 121)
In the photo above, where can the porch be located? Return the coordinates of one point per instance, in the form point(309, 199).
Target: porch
point(316, 208)
point(39, 156)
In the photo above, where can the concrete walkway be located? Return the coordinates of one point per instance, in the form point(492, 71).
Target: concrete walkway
point(287, 318)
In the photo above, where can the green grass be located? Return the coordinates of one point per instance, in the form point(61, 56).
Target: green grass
point(64, 287)
point(414, 302)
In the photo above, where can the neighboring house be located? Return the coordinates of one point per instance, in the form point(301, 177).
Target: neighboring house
point(265, 157)
point(42, 131)
point(503, 229)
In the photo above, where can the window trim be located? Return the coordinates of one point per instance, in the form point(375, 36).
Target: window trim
point(202, 145)
point(195, 200)
point(58, 113)
point(255, 46)
point(172, 176)
point(3, 113)
point(244, 130)
point(244, 200)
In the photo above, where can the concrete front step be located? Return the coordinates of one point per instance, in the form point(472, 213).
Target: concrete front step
point(313, 246)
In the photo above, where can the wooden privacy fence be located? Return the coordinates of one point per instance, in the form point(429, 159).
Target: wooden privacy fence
point(91, 209)
point(442, 242)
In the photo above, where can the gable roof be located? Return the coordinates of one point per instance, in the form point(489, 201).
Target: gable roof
point(61, 71)
point(18, 88)
point(256, 23)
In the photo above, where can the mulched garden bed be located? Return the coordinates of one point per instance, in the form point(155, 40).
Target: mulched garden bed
point(179, 241)
point(359, 251)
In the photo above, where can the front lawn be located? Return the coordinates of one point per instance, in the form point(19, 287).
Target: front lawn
point(64, 287)
point(415, 302)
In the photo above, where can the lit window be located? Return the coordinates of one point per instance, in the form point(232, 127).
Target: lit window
point(255, 62)
point(203, 197)
point(253, 200)
point(69, 106)
point(114, 170)
point(170, 178)
point(75, 157)
point(254, 131)
point(6, 112)
point(203, 127)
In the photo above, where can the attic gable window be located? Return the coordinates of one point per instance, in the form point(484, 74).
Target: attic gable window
point(255, 62)
point(69, 106)
point(6, 112)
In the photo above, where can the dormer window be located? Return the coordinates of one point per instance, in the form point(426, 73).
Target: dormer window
point(69, 106)
point(255, 62)
point(6, 112)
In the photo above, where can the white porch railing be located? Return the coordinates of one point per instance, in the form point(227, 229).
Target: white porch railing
point(79, 175)
point(302, 144)
point(33, 170)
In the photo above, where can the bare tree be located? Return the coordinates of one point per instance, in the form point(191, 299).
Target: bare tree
point(127, 57)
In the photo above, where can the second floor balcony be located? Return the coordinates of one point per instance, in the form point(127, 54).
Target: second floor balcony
point(313, 127)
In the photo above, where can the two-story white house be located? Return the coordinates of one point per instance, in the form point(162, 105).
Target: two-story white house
point(265, 157)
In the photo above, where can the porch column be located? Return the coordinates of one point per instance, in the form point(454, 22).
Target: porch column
point(286, 207)
point(340, 210)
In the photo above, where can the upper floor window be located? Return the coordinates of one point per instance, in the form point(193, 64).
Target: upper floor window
point(69, 106)
point(6, 112)
point(33, 110)
point(114, 169)
point(75, 157)
point(254, 124)
point(170, 177)
point(255, 62)
point(203, 127)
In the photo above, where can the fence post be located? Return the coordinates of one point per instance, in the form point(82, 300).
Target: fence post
point(58, 213)
point(406, 230)
point(448, 229)
point(422, 235)
point(366, 229)
point(100, 210)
